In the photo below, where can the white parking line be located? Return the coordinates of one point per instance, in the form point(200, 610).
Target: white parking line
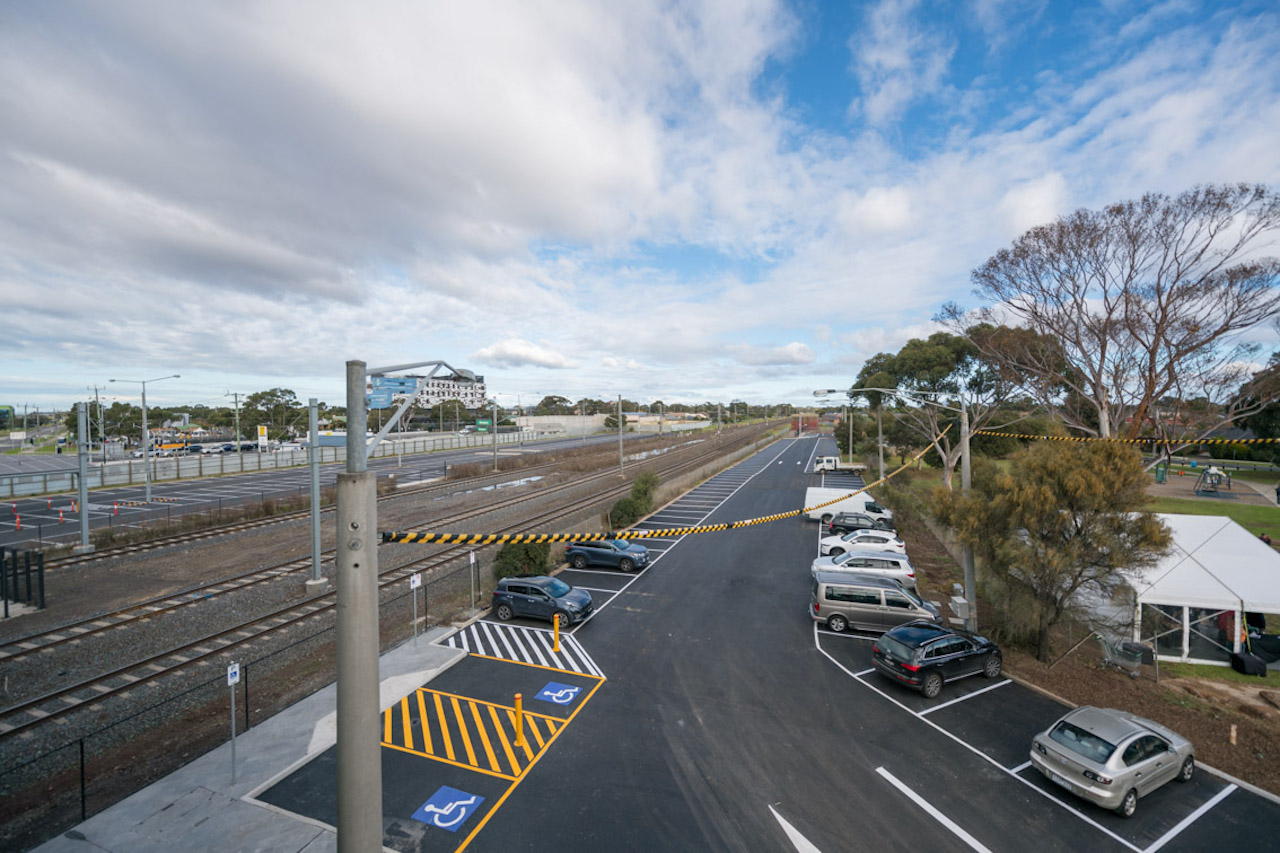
point(1023, 766)
point(933, 812)
point(979, 753)
point(964, 697)
point(1189, 819)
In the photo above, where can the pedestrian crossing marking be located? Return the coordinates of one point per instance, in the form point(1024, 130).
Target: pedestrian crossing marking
point(519, 644)
point(485, 731)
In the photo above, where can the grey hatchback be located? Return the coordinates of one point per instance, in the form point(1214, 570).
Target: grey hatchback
point(618, 553)
point(1110, 757)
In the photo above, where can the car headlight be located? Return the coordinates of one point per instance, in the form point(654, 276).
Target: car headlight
point(572, 605)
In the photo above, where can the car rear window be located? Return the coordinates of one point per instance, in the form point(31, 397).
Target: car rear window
point(896, 648)
point(1082, 742)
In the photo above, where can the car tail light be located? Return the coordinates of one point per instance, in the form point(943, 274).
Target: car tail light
point(815, 607)
point(910, 667)
point(1104, 780)
point(911, 574)
point(1040, 747)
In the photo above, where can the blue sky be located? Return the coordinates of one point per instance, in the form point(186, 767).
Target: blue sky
point(682, 201)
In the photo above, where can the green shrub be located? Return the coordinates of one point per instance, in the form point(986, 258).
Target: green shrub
point(625, 513)
point(642, 491)
point(522, 558)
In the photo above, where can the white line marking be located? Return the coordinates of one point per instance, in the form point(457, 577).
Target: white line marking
point(802, 844)
point(1023, 766)
point(964, 697)
point(1189, 819)
point(530, 637)
point(970, 747)
point(937, 815)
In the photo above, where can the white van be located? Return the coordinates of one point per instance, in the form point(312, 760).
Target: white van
point(862, 503)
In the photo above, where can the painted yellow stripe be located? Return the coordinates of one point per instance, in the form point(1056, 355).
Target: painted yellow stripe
point(502, 737)
point(426, 723)
point(484, 737)
point(528, 727)
point(444, 728)
point(407, 722)
point(537, 732)
point(463, 734)
point(386, 726)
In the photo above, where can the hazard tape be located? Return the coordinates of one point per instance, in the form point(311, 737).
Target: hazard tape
point(1151, 440)
point(401, 537)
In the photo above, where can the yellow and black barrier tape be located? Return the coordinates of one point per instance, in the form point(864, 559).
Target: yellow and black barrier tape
point(1146, 440)
point(399, 537)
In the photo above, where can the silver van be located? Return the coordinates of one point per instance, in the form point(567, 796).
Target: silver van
point(869, 561)
point(843, 600)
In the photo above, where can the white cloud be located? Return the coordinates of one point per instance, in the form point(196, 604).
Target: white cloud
point(792, 353)
point(897, 60)
point(515, 352)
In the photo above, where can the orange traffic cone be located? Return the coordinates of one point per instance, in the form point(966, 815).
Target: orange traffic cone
point(59, 516)
point(17, 519)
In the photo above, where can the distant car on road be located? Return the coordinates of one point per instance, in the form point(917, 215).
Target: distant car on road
point(1110, 757)
point(925, 655)
point(880, 540)
point(616, 553)
point(541, 597)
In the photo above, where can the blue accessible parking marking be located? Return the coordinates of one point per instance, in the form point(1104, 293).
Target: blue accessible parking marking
point(448, 808)
point(559, 694)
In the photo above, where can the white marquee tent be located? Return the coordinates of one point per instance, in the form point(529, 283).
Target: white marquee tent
point(1191, 604)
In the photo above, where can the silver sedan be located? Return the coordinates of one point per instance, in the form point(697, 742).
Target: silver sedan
point(1110, 757)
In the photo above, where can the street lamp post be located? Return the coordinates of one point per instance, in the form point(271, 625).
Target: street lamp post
point(146, 435)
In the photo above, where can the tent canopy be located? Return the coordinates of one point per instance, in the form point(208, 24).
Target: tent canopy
point(1213, 563)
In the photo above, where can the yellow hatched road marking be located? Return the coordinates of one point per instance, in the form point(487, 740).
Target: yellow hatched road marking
point(484, 737)
point(502, 738)
point(386, 726)
point(408, 723)
point(462, 727)
point(444, 729)
point(426, 724)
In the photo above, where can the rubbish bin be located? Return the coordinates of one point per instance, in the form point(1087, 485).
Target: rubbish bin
point(1162, 472)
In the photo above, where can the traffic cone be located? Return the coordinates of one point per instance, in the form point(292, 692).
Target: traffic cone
point(115, 506)
point(17, 519)
point(59, 516)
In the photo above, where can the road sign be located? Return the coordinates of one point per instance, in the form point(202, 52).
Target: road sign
point(395, 384)
point(448, 808)
point(415, 580)
point(483, 424)
point(233, 674)
point(378, 399)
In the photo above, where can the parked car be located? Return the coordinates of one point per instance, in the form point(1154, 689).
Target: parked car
point(879, 563)
point(209, 449)
point(541, 597)
point(842, 600)
point(926, 655)
point(845, 522)
point(228, 448)
point(1111, 758)
point(616, 553)
point(879, 540)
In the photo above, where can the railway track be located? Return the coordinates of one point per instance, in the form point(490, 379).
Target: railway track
point(92, 692)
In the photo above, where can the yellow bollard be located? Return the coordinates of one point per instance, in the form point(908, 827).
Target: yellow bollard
point(519, 721)
point(555, 647)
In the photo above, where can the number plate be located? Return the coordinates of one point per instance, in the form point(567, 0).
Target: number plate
point(1058, 779)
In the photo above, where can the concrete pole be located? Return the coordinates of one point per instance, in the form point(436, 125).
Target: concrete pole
point(359, 735)
point(83, 449)
point(313, 427)
point(619, 433)
point(966, 481)
point(146, 444)
point(880, 439)
point(493, 425)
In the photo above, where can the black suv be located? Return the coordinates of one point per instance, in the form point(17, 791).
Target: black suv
point(541, 597)
point(843, 522)
point(618, 553)
point(924, 655)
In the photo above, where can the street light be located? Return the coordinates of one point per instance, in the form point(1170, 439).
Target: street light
point(146, 435)
point(848, 421)
point(966, 481)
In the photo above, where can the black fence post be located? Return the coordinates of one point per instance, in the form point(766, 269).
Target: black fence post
point(27, 559)
point(245, 672)
point(4, 579)
point(84, 808)
point(40, 562)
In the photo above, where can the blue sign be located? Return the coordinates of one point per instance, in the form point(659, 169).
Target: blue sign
point(378, 400)
point(395, 384)
point(448, 808)
point(559, 694)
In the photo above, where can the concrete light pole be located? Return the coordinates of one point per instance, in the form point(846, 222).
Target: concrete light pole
point(619, 433)
point(146, 434)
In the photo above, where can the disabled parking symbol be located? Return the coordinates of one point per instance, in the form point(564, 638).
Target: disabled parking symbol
point(559, 694)
point(448, 808)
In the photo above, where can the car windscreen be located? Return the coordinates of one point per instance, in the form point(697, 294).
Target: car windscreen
point(1082, 742)
point(557, 587)
point(621, 544)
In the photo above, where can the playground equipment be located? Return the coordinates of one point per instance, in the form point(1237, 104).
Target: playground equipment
point(1212, 480)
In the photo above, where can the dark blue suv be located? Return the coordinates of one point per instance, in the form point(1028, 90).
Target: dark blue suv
point(615, 553)
point(541, 597)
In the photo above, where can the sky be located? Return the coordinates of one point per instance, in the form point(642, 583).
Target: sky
point(679, 201)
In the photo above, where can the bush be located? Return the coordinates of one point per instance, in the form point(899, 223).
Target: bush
point(522, 558)
point(643, 488)
point(625, 513)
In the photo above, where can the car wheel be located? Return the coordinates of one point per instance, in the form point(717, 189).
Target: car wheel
point(564, 620)
point(1188, 770)
point(627, 565)
point(826, 519)
point(931, 686)
point(503, 612)
point(991, 669)
point(838, 624)
point(579, 561)
point(836, 552)
point(1129, 804)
